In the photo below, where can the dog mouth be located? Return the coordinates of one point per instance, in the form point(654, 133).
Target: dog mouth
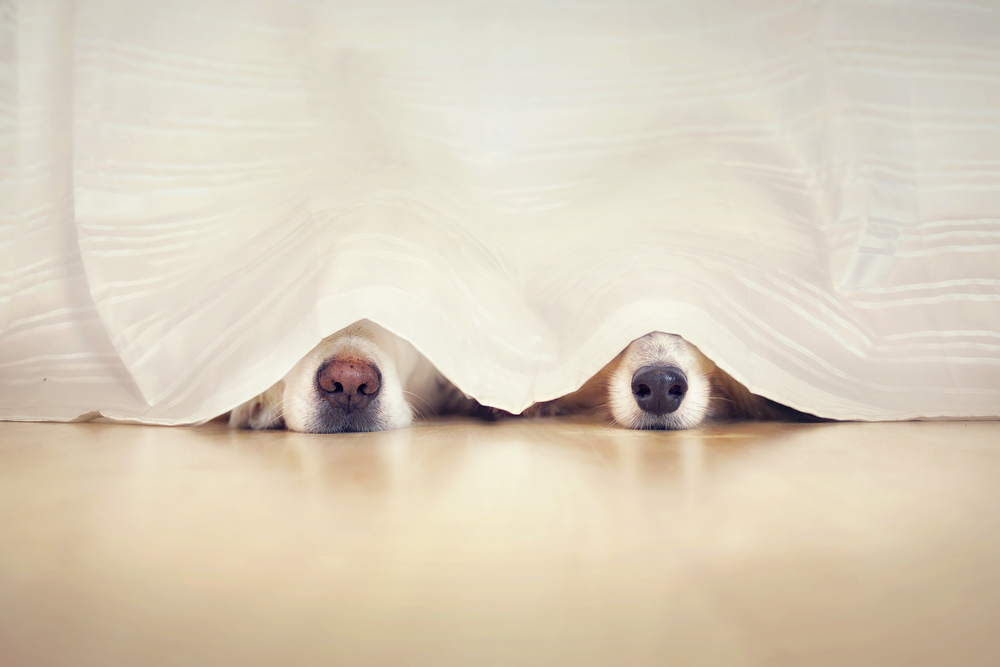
point(646, 423)
point(333, 420)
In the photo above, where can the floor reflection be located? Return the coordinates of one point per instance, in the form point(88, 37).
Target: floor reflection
point(732, 543)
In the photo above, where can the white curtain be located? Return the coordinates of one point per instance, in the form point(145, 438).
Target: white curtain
point(195, 192)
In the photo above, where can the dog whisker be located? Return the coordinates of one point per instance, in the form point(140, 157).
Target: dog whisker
point(277, 416)
point(414, 397)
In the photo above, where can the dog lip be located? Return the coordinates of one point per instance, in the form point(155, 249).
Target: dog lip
point(331, 418)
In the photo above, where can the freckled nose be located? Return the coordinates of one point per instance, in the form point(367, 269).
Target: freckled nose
point(659, 390)
point(349, 383)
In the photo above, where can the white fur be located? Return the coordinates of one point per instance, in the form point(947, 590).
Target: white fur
point(410, 385)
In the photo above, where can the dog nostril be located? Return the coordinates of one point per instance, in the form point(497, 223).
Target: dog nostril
point(349, 383)
point(659, 390)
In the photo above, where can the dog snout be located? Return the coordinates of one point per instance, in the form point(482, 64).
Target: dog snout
point(349, 383)
point(659, 390)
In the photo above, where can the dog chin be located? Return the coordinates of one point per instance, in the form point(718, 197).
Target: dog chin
point(319, 417)
point(642, 422)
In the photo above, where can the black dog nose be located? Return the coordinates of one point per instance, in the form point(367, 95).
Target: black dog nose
point(349, 383)
point(659, 389)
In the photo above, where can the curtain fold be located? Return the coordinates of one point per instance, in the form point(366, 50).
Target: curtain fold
point(193, 194)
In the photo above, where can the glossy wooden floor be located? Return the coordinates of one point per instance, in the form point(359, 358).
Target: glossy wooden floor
point(518, 543)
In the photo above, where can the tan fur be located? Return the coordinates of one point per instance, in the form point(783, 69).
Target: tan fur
point(712, 394)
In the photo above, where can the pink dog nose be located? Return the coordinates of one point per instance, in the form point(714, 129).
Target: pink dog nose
point(349, 383)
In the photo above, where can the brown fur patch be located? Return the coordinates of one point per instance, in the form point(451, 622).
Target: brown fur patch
point(729, 400)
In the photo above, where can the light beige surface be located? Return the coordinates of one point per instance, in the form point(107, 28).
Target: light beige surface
point(514, 543)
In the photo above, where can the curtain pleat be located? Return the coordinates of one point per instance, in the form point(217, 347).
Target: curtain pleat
point(194, 193)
